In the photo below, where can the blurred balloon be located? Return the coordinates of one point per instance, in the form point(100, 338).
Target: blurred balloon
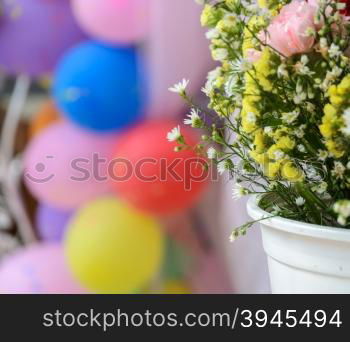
point(51, 223)
point(100, 88)
point(34, 34)
point(112, 248)
point(39, 269)
point(114, 21)
point(66, 167)
point(46, 115)
point(163, 181)
point(176, 287)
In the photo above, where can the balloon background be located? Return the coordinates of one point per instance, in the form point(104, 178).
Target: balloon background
point(119, 103)
point(107, 108)
point(23, 22)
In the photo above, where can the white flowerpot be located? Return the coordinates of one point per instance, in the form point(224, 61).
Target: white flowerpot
point(302, 257)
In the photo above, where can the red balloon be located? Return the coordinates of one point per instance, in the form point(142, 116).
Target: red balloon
point(151, 176)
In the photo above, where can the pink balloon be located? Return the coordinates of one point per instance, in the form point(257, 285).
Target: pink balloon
point(65, 166)
point(176, 49)
point(114, 21)
point(39, 269)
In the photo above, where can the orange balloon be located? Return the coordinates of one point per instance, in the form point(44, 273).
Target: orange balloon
point(46, 115)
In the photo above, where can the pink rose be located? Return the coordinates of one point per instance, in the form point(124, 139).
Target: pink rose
point(287, 31)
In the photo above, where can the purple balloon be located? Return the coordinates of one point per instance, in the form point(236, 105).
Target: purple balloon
point(34, 34)
point(51, 223)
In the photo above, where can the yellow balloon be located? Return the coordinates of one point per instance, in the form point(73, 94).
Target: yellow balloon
point(111, 248)
point(176, 287)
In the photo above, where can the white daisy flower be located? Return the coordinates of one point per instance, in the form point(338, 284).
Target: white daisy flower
point(338, 170)
point(268, 130)
point(174, 134)
point(299, 98)
point(223, 166)
point(212, 34)
point(180, 87)
point(231, 85)
point(193, 119)
point(342, 208)
point(300, 201)
point(323, 43)
point(211, 153)
point(301, 148)
point(322, 155)
point(334, 51)
point(310, 107)
point(336, 72)
point(207, 89)
point(346, 119)
point(320, 188)
point(241, 65)
point(290, 116)
point(282, 70)
point(300, 131)
point(238, 191)
point(341, 220)
point(220, 54)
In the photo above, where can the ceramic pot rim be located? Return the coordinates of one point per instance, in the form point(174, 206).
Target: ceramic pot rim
point(296, 227)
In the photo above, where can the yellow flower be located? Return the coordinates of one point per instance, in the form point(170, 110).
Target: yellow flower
point(332, 121)
point(337, 100)
point(259, 141)
point(334, 149)
point(285, 143)
point(273, 152)
point(326, 129)
point(330, 111)
point(272, 169)
point(291, 172)
point(263, 3)
point(264, 68)
point(259, 158)
point(210, 16)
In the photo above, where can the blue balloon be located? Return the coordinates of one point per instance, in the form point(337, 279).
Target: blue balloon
point(101, 88)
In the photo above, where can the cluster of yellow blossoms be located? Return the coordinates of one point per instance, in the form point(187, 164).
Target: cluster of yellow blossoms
point(273, 158)
point(333, 122)
point(271, 147)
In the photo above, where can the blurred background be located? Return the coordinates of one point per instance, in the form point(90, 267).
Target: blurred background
point(93, 198)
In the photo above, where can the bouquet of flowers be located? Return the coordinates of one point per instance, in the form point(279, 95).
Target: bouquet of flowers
point(281, 98)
